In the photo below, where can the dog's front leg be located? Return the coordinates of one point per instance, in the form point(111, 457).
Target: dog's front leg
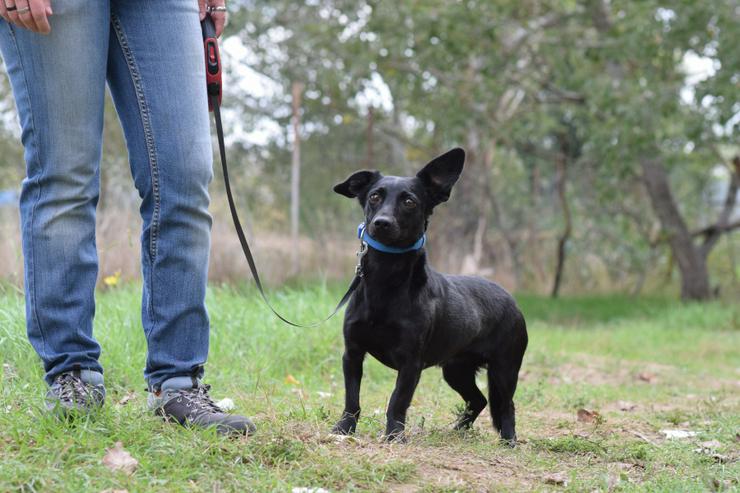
point(352, 367)
point(408, 378)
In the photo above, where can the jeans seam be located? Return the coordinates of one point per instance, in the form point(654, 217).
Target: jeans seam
point(146, 123)
point(151, 150)
point(32, 263)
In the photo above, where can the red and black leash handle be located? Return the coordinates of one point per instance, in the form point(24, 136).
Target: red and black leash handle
point(214, 86)
point(213, 60)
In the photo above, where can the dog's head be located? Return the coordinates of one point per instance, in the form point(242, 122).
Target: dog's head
point(397, 208)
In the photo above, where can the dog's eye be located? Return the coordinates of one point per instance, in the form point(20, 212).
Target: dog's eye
point(409, 203)
point(374, 198)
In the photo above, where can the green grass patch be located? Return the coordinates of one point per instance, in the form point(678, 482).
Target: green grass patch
point(644, 365)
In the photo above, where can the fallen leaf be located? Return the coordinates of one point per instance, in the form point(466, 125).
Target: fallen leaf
point(625, 466)
point(342, 438)
point(557, 478)
point(722, 459)
point(646, 376)
point(626, 406)
point(677, 434)
point(302, 489)
point(324, 395)
point(721, 485)
point(711, 444)
point(291, 380)
point(642, 437)
point(118, 459)
point(130, 395)
point(588, 416)
point(226, 404)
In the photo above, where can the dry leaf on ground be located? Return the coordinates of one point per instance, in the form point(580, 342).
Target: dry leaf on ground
point(129, 395)
point(118, 459)
point(557, 478)
point(646, 376)
point(588, 416)
point(711, 444)
point(291, 380)
point(626, 406)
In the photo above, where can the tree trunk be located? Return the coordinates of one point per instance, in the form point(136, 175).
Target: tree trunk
point(691, 263)
point(295, 177)
point(562, 161)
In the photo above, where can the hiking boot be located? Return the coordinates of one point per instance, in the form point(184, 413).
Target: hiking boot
point(75, 392)
point(193, 407)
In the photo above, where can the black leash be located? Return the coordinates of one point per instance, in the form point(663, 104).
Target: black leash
point(213, 71)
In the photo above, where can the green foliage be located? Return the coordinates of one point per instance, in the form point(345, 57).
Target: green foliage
point(520, 85)
point(513, 82)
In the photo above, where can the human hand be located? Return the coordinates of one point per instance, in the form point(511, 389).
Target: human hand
point(217, 9)
point(29, 14)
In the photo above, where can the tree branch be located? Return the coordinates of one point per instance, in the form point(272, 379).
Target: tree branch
point(712, 229)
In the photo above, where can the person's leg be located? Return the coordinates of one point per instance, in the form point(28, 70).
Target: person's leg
point(59, 84)
point(157, 78)
point(156, 74)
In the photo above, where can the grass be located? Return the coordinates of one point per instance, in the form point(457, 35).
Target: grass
point(643, 364)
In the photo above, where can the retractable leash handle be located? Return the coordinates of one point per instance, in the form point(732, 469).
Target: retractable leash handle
point(213, 84)
point(213, 60)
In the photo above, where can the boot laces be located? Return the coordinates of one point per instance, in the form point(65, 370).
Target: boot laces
point(198, 399)
point(73, 389)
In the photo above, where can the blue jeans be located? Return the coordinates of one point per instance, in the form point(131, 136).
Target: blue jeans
point(151, 55)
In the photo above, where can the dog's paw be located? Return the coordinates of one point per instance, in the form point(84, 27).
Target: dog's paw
point(509, 442)
point(344, 427)
point(398, 437)
point(463, 424)
point(395, 434)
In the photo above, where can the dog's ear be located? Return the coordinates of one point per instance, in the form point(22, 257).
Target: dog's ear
point(357, 184)
point(441, 173)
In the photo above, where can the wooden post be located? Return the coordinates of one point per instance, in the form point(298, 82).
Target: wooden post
point(295, 177)
point(369, 158)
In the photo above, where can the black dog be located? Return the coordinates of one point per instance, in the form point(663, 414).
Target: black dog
point(410, 317)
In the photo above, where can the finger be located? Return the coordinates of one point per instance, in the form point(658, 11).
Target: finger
point(12, 12)
point(219, 20)
point(25, 18)
point(38, 12)
point(218, 16)
point(202, 9)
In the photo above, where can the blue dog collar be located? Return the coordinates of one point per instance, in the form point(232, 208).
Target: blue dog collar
point(363, 235)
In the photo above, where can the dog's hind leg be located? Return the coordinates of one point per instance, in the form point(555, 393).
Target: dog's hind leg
point(461, 377)
point(501, 388)
point(503, 374)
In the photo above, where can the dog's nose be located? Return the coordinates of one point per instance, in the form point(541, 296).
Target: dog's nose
point(381, 223)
